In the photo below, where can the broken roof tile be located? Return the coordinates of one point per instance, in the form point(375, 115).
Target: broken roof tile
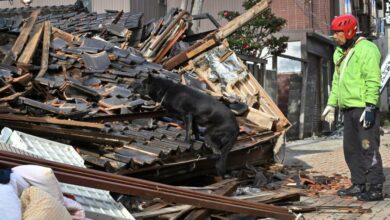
point(133, 20)
point(117, 29)
point(58, 43)
point(99, 61)
point(95, 43)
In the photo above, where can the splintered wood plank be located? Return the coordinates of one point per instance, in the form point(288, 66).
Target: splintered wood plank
point(227, 188)
point(182, 28)
point(21, 40)
point(64, 35)
point(45, 49)
point(23, 79)
point(29, 50)
point(155, 213)
point(262, 119)
point(269, 106)
point(50, 120)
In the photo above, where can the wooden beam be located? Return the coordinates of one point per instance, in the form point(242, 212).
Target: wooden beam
point(269, 106)
point(11, 97)
point(50, 120)
point(226, 190)
point(215, 37)
point(21, 40)
point(70, 134)
point(260, 118)
point(29, 50)
point(64, 35)
point(171, 42)
point(132, 186)
point(162, 211)
point(45, 49)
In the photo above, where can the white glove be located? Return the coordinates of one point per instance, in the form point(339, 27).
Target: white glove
point(328, 114)
point(368, 116)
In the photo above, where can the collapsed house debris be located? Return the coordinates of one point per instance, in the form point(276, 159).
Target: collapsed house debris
point(78, 70)
point(70, 75)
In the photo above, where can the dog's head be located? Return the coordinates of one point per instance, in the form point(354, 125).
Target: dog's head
point(152, 86)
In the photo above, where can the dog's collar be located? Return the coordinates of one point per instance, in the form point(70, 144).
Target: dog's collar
point(165, 94)
point(163, 98)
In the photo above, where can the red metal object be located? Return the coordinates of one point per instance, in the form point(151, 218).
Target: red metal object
point(346, 23)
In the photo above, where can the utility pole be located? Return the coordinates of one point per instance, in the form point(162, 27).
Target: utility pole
point(184, 4)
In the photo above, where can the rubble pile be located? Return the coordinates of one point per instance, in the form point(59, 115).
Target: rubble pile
point(74, 69)
point(71, 76)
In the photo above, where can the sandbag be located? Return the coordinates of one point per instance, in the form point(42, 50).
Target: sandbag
point(37, 204)
point(10, 207)
point(41, 177)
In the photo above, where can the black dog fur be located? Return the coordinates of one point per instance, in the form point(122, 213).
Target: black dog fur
point(197, 108)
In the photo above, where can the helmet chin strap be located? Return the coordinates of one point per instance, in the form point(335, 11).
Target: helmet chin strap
point(349, 43)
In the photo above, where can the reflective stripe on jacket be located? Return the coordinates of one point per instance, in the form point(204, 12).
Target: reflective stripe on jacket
point(357, 80)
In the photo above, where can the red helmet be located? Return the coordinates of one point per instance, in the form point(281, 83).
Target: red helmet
point(346, 23)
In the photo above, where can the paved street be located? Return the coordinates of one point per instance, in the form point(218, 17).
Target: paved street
point(326, 157)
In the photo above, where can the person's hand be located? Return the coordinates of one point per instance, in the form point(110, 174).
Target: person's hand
point(328, 114)
point(368, 116)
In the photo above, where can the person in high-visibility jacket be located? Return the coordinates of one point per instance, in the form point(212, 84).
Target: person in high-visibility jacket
point(355, 90)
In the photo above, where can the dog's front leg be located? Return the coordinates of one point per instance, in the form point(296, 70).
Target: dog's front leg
point(188, 122)
point(195, 129)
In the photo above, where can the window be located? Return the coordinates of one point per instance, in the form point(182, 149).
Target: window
point(288, 66)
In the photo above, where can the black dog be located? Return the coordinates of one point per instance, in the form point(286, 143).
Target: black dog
point(197, 108)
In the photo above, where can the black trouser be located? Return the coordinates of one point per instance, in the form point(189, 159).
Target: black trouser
point(361, 149)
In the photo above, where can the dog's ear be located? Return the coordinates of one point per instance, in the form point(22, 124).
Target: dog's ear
point(149, 79)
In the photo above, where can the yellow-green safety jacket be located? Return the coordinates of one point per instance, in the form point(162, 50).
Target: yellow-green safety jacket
point(357, 79)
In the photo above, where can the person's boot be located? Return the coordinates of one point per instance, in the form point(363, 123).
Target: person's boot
point(354, 190)
point(373, 193)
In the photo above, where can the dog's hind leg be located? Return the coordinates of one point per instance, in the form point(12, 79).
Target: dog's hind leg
point(221, 146)
point(221, 163)
point(225, 142)
point(211, 143)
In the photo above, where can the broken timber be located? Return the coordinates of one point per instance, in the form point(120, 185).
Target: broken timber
point(45, 49)
point(131, 186)
point(31, 46)
point(50, 120)
point(218, 36)
point(21, 40)
point(69, 90)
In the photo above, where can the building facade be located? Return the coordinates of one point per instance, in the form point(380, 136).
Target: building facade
point(305, 70)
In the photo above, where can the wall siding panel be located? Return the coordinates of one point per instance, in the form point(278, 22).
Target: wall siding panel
point(18, 4)
point(100, 5)
point(150, 8)
point(97, 5)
